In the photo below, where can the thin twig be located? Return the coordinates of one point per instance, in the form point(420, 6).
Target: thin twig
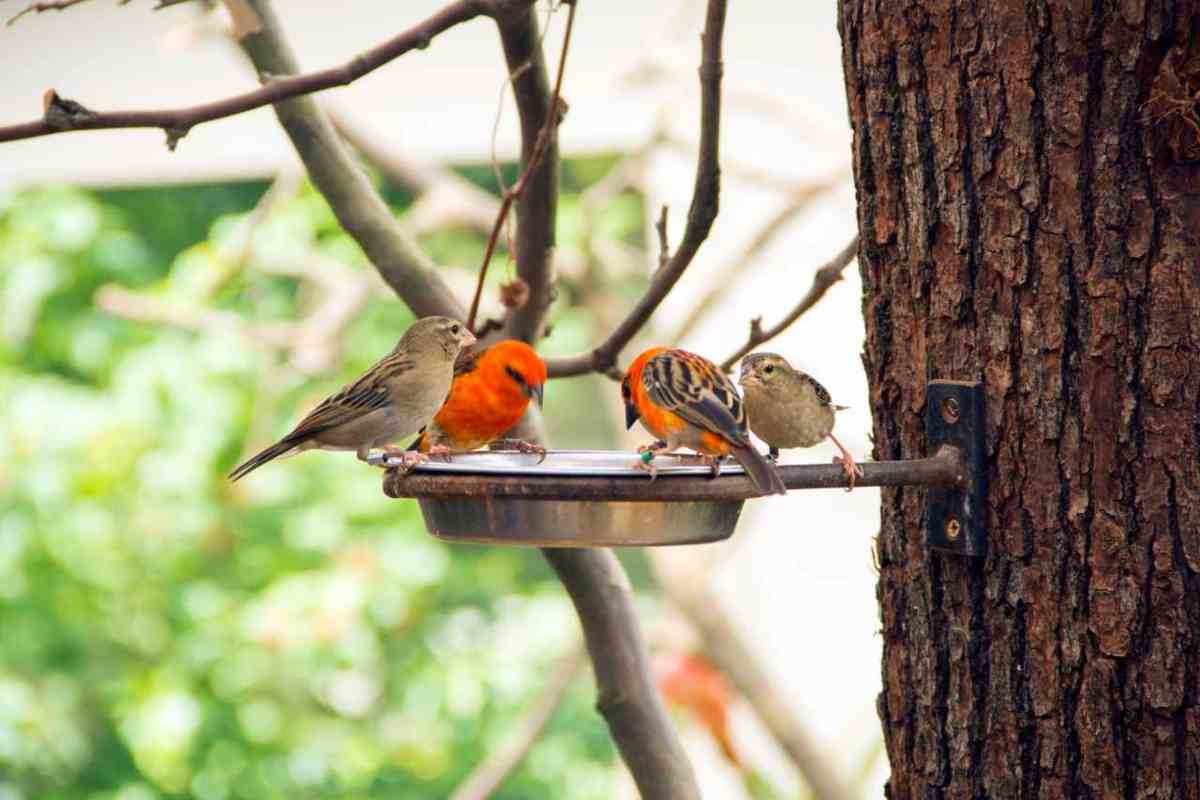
point(49, 5)
point(825, 277)
point(540, 147)
point(801, 199)
point(664, 246)
point(700, 216)
point(491, 773)
point(178, 121)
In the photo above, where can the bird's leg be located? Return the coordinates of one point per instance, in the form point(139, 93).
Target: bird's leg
point(852, 469)
point(715, 463)
point(521, 446)
point(408, 458)
point(646, 462)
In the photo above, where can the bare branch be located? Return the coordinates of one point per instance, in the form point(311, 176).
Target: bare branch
point(700, 216)
point(594, 578)
point(664, 246)
point(177, 122)
point(245, 21)
point(339, 178)
point(825, 277)
point(38, 8)
point(489, 775)
point(539, 152)
point(801, 199)
point(628, 698)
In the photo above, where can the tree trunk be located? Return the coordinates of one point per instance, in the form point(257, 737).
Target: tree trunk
point(1029, 206)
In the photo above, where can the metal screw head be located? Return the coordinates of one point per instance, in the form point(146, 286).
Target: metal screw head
point(951, 411)
point(952, 529)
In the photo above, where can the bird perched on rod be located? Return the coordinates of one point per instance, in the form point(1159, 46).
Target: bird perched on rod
point(686, 401)
point(395, 398)
point(491, 390)
point(788, 408)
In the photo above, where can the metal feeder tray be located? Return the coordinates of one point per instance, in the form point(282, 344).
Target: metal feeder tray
point(571, 499)
point(597, 498)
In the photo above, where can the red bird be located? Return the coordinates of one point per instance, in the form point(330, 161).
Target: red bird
point(691, 682)
point(685, 400)
point(491, 390)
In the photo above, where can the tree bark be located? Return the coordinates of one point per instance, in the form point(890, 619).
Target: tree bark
point(1029, 207)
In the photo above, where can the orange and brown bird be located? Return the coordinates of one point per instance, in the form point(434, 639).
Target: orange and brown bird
point(685, 400)
point(492, 388)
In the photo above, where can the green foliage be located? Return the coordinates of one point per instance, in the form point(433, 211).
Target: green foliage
point(169, 634)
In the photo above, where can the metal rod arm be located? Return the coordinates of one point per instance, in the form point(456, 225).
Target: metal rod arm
point(945, 468)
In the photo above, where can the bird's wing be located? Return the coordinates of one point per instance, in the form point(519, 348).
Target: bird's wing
point(370, 392)
point(467, 360)
point(822, 392)
point(696, 390)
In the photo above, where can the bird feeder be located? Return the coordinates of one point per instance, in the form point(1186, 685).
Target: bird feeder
point(591, 498)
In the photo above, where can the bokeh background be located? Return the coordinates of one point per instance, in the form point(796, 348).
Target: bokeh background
point(164, 633)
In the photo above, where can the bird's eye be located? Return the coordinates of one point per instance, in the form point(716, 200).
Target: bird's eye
point(454, 329)
point(768, 369)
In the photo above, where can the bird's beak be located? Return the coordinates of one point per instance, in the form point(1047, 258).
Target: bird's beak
point(537, 393)
point(631, 415)
point(745, 379)
point(468, 337)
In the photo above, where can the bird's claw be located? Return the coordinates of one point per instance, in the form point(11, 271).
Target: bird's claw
point(852, 469)
point(647, 464)
point(409, 459)
point(440, 452)
point(521, 446)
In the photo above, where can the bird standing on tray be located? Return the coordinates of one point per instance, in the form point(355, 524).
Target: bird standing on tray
point(491, 390)
point(788, 408)
point(395, 398)
point(686, 401)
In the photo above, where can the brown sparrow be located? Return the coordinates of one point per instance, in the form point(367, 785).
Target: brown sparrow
point(788, 408)
point(395, 398)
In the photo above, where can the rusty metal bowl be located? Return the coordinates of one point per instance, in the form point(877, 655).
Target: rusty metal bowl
point(571, 499)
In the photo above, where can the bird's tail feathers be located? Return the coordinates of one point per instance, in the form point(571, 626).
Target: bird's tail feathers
point(273, 452)
point(761, 473)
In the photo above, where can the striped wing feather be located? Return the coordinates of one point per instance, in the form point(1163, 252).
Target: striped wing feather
point(369, 393)
point(695, 389)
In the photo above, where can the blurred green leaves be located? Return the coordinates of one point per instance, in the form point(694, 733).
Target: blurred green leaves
point(169, 634)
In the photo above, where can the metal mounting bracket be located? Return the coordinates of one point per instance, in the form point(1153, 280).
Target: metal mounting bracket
point(957, 515)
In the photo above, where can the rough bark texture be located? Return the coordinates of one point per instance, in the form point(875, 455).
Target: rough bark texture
point(1030, 218)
